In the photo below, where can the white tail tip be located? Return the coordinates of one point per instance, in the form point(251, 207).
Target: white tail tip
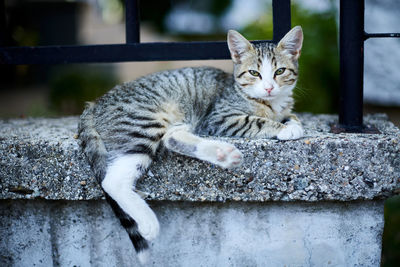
point(143, 256)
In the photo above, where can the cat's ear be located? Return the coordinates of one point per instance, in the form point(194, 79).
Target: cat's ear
point(292, 42)
point(238, 46)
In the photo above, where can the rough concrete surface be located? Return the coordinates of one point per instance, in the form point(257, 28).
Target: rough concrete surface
point(40, 158)
point(234, 234)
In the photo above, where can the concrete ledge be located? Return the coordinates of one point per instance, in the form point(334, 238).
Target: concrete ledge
point(86, 233)
point(294, 203)
point(40, 158)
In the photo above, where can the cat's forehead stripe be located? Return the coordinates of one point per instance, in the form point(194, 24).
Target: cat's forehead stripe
point(272, 60)
point(259, 62)
point(265, 52)
point(260, 52)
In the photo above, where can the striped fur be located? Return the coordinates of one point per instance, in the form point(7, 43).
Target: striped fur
point(121, 133)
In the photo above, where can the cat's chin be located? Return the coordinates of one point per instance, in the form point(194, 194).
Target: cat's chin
point(269, 98)
point(280, 95)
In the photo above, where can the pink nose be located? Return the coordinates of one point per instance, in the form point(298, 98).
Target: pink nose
point(269, 90)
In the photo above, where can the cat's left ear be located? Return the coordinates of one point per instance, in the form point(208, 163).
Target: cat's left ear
point(292, 42)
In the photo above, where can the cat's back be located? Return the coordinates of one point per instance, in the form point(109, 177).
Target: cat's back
point(183, 82)
point(178, 84)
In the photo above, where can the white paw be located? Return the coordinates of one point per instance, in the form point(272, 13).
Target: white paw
point(290, 132)
point(220, 153)
point(148, 226)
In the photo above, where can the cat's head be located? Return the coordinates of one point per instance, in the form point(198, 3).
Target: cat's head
point(266, 71)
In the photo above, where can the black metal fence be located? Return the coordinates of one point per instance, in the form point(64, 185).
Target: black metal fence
point(133, 49)
point(352, 37)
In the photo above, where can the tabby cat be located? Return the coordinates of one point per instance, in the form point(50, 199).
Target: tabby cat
point(122, 131)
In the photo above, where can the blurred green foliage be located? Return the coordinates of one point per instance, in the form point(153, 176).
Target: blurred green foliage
point(391, 235)
point(156, 16)
point(71, 86)
point(218, 7)
point(318, 84)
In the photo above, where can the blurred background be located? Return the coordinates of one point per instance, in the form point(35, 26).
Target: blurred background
point(60, 90)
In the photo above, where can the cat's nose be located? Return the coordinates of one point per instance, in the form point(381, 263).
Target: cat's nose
point(269, 89)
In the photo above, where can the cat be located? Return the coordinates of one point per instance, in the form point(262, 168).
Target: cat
point(121, 133)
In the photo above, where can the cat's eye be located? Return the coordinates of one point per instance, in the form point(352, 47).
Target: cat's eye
point(280, 71)
point(254, 73)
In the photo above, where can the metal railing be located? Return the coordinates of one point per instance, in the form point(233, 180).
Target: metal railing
point(352, 37)
point(133, 49)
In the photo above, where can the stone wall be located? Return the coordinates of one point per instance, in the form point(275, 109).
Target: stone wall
point(316, 201)
point(86, 233)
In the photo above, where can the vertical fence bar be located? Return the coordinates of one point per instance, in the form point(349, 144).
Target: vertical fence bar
point(351, 64)
point(132, 21)
point(280, 18)
point(3, 28)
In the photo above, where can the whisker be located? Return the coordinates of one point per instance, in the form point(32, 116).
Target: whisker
point(301, 92)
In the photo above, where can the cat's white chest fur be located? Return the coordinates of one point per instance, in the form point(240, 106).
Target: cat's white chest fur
point(280, 103)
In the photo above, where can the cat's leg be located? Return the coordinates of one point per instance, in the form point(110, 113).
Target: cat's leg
point(119, 181)
point(292, 129)
point(249, 126)
point(260, 127)
point(181, 140)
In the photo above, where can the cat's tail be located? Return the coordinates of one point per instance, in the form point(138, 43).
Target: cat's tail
point(96, 153)
point(91, 143)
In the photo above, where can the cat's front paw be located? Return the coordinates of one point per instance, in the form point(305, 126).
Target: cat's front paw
point(229, 157)
point(291, 131)
point(220, 153)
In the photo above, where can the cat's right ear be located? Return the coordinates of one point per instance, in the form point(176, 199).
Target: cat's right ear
point(238, 46)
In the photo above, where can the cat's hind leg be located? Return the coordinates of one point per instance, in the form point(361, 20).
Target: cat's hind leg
point(180, 139)
point(119, 181)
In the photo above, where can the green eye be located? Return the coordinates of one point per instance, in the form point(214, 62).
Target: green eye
point(280, 71)
point(254, 73)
